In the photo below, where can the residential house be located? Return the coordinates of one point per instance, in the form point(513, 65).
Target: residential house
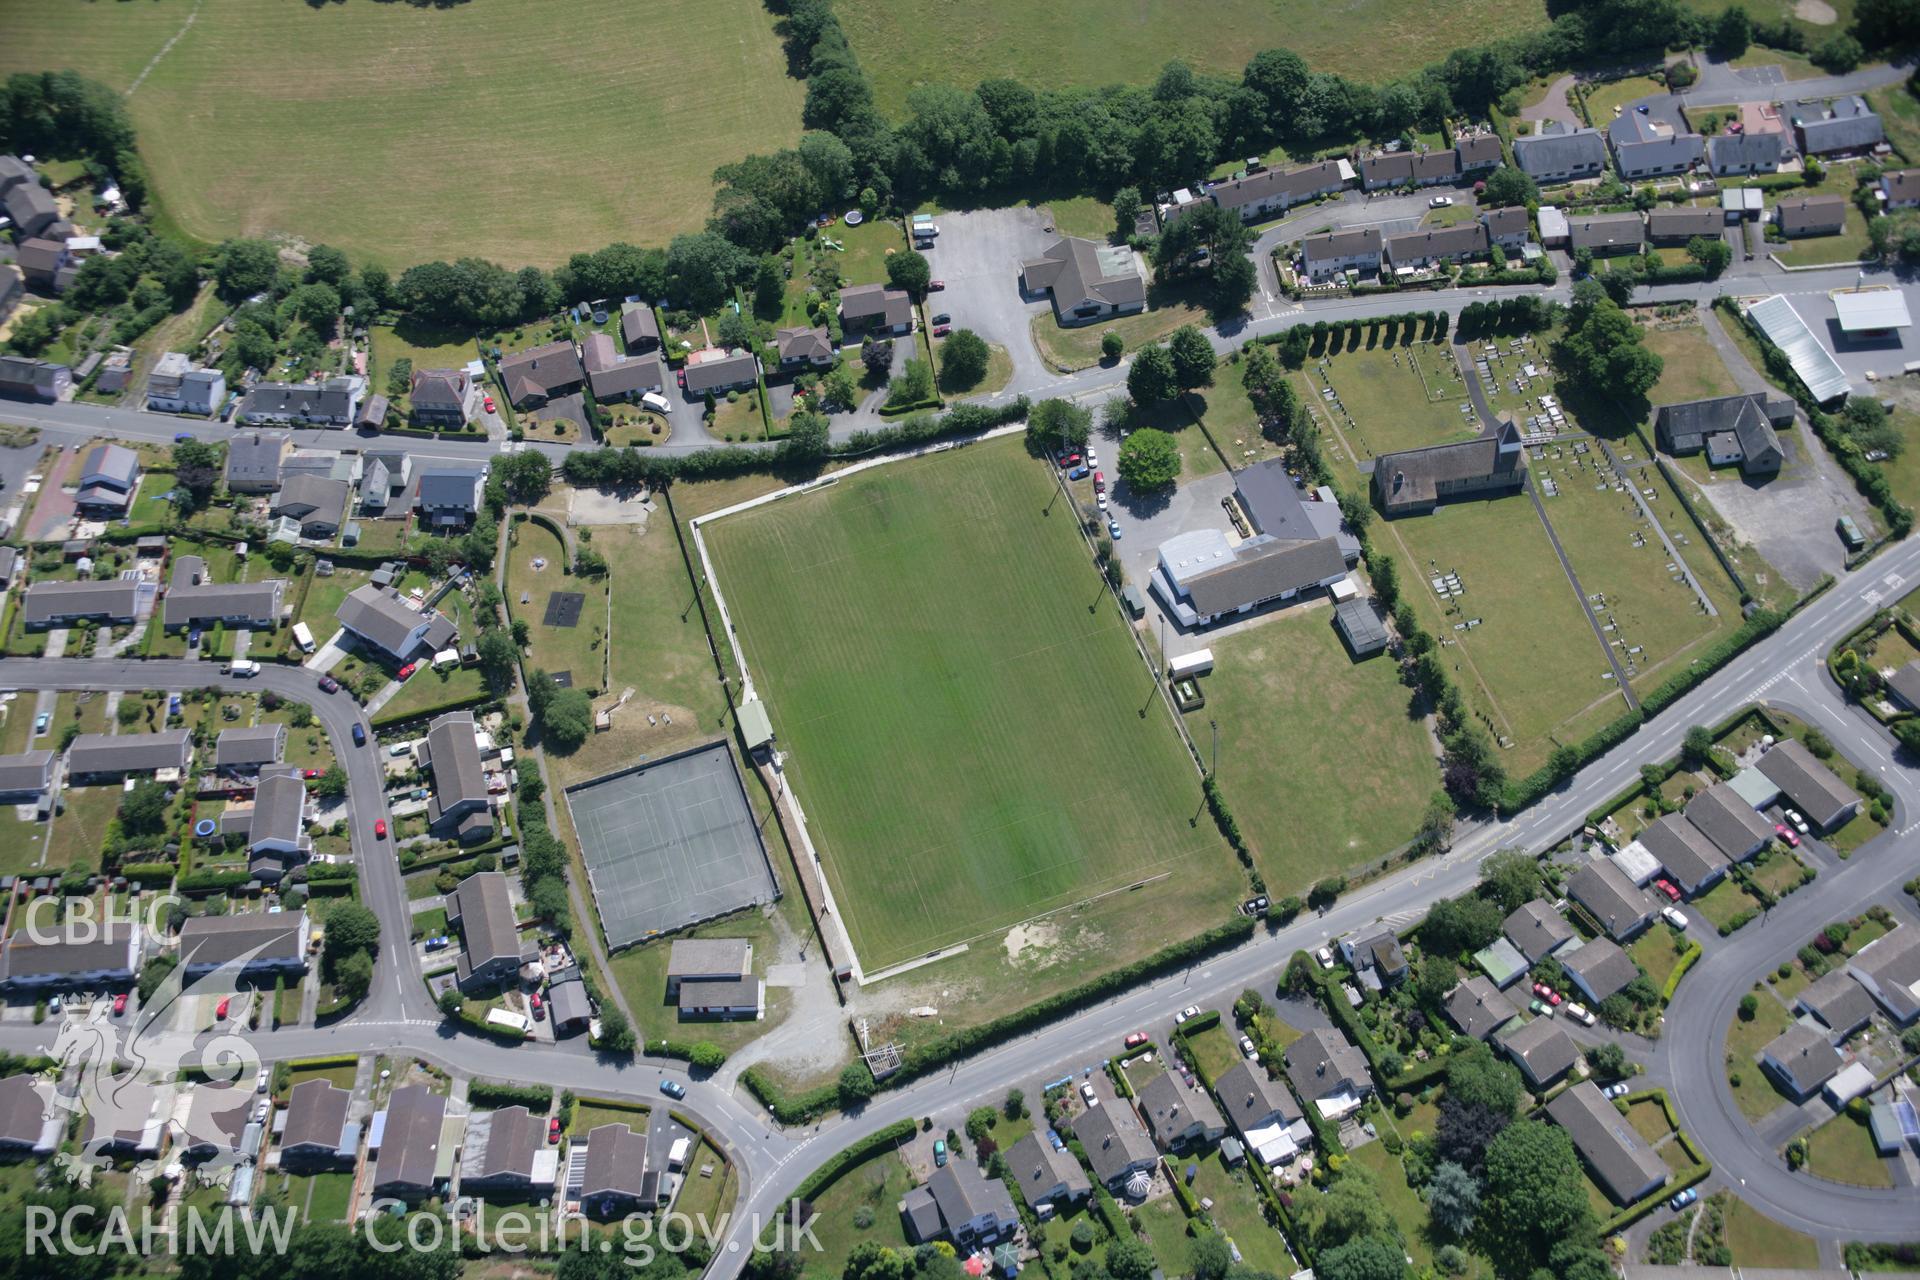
point(1479, 1008)
point(13, 566)
point(243, 751)
point(276, 824)
point(12, 287)
point(193, 600)
point(1409, 168)
point(43, 262)
point(1328, 1072)
point(616, 1181)
point(1815, 790)
point(1844, 125)
point(178, 385)
point(1116, 1144)
point(804, 347)
point(1839, 1002)
point(1457, 243)
point(1178, 1115)
point(269, 943)
point(24, 378)
point(30, 1125)
point(460, 807)
point(385, 621)
point(1621, 907)
point(481, 908)
point(27, 777)
point(1599, 968)
point(332, 403)
point(506, 1153)
point(1801, 1059)
point(317, 1131)
point(442, 397)
point(13, 172)
point(126, 1122)
point(318, 505)
point(1478, 151)
point(960, 1204)
point(737, 999)
point(1736, 154)
point(60, 604)
point(110, 757)
point(1416, 481)
point(717, 372)
point(1811, 216)
point(32, 210)
point(448, 495)
point(109, 481)
point(1378, 953)
point(539, 374)
point(1691, 861)
point(1537, 930)
point(1677, 224)
point(639, 328)
point(1729, 821)
point(1048, 1175)
point(77, 956)
point(253, 461)
point(1900, 189)
point(1507, 228)
point(616, 377)
point(1619, 1158)
point(407, 1153)
point(875, 309)
point(1889, 968)
point(1264, 1112)
point(1085, 280)
point(1271, 191)
point(216, 1123)
point(707, 960)
point(1607, 233)
point(1328, 255)
point(1541, 1050)
point(387, 476)
point(1562, 155)
point(1649, 146)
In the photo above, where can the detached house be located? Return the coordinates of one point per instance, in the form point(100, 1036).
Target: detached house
point(506, 1153)
point(317, 1131)
point(1329, 1072)
point(616, 377)
point(874, 308)
point(253, 461)
point(1677, 224)
point(804, 347)
point(639, 328)
point(1048, 1175)
point(1737, 154)
point(482, 909)
point(1691, 861)
point(1842, 125)
point(1607, 233)
point(1599, 968)
point(178, 385)
point(443, 397)
point(1622, 1163)
point(1179, 1115)
point(394, 628)
point(960, 1204)
point(407, 1163)
point(1116, 1145)
point(459, 808)
point(1479, 1008)
point(1537, 930)
point(1889, 968)
point(1725, 818)
point(1900, 189)
point(1086, 281)
point(1811, 216)
point(1648, 147)
point(109, 479)
point(448, 495)
point(716, 372)
point(1620, 906)
point(616, 1180)
point(1541, 1050)
point(539, 374)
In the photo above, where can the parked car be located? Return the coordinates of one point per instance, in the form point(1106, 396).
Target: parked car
point(260, 1081)
point(1247, 1050)
point(1620, 1090)
point(935, 286)
point(359, 734)
point(1786, 833)
point(1255, 906)
point(53, 1005)
point(40, 723)
point(1191, 1011)
point(1078, 473)
point(1070, 461)
point(181, 437)
point(942, 318)
point(1580, 1014)
point(941, 330)
point(538, 1005)
point(329, 685)
point(1088, 1096)
point(1675, 917)
point(120, 1004)
point(1796, 821)
point(1099, 482)
point(1440, 202)
point(487, 404)
point(673, 1089)
point(1684, 1199)
point(1100, 501)
point(683, 379)
point(1540, 1008)
point(1135, 1039)
point(193, 637)
point(1668, 887)
point(1113, 528)
point(406, 671)
point(939, 1153)
point(309, 774)
point(553, 1130)
point(1325, 956)
point(220, 1010)
point(379, 828)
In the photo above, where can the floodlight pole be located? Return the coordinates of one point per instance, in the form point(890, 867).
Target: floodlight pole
point(1213, 770)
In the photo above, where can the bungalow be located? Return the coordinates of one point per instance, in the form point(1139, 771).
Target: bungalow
point(481, 908)
point(804, 346)
point(1815, 790)
point(217, 1123)
point(1271, 191)
point(1621, 907)
point(715, 372)
point(1645, 146)
point(1328, 1072)
point(1048, 1175)
point(1734, 154)
point(1479, 1008)
point(317, 1131)
point(23, 378)
point(739, 998)
point(178, 385)
point(390, 625)
point(639, 328)
point(1600, 969)
point(1408, 168)
point(1607, 233)
point(332, 403)
point(60, 604)
point(1254, 1100)
point(1337, 251)
point(1839, 126)
point(317, 504)
point(616, 1181)
point(1507, 228)
point(442, 397)
point(110, 757)
point(1622, 1163)
point(109, 479)
point(1678, 224)
point(1416, 481)
point(79, 956)
point(707, 960)
point(245, 750)
point(1086, 281)
point(1537, 930)
point(1889, 968)
point(27, 777)
point(460, 807)
point(125, 1122)
point(1729, 821)
point(406, 1145)
point(1691, 861)
point(616, 377)
point(506, 1153)
point(874, 308)
point(266, 944)
point(1801, 1060)
point(13, 172)
point(1178, 1115)
point(275, 824)
point(1116, 1145)
point(1811, 216)
point(32, 210)
point(1560, 155)
point(1839, 1002)
point(1478, 151)
point(1457, 243)
point(1900, 189)
point(961, 1204)
point(1379, 953)
point(539, 374)
point(1541, 1050)
point(254, 459)
point(30, 1125)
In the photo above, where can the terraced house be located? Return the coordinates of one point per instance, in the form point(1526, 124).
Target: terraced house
point(1273, 191)
point(194, 600)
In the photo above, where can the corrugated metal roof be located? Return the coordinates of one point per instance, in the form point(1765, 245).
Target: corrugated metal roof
point(1872, 309)
point(1816, 366)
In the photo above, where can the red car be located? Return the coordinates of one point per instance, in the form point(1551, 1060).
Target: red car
point(683, 379)
point(120, 1004)
point(935, 286)
point(539, 1005)
point(220, 1010)
point(1785, 832)
point(406, 671)
point(1667, 887)
point(379, 828)
point(1099, 482)
point(1135, 1040)
point(329, 685)
point(553, 1130)
point(488, 404)
point(311, 774)
point(1071, 460)
point(942, 330)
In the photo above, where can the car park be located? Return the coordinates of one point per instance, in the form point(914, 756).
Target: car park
point(673, 1089)
point(1675, 917)
point(1786, 833)
point(1135, 1039)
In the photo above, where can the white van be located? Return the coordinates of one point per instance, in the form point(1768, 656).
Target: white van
point(656, 402)
point(241, 667)
point(303, 636)
point(446, 658)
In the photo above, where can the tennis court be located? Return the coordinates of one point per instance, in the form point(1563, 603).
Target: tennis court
point(669, 844)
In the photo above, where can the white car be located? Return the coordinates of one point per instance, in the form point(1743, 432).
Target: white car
point(1440, 202)
point(1087, 1094)
point(1620, 1090)
point(1581, 1014)
point(1325, 956)
point(260, 1084)
point(1093, 459)
point(1246, 1048)
point(1674, 916)
point(1191, 1011)
point(1799, 823)
point(1100, 501)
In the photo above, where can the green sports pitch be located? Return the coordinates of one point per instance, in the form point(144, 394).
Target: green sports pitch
point(960, 700)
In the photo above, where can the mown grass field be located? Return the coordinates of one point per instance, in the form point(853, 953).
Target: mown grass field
point(1087, 42)
point(517, 132)
point(961, 701)
point(1399, 397)
point(1693, 369)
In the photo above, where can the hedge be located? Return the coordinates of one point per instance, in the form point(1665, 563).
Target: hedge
point(788, 1108)
point(211, 881)
point(1647, 1204)
point(847, 1157)
point(386, 720)
point(148, 872)
point(702, 1053)
point(490, 1093)
point(1687, 957)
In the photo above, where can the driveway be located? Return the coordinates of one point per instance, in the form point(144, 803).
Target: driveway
point(979, 254)
point(1145, 524)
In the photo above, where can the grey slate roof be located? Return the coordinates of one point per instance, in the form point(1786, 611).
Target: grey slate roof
point(638, 327)
point(47, 601)
point(27, 771)
point(734, 369)
point(513, 1135)
point(332, 400)
point(613, 375)
point(1803, 1057)
point(1323, 1062)
point(876, 303)
point(1078, 272)
point(312, 500)
point(1251, 1098)
point(542, 371)
point(1536, 929)
point(1337, 245)
point(1607, 231)
point(129, 752)
point(448, 486)
point(217, 1118)
point(215, 940)
point(192, 598)
point(1620, 1159)
point(1265, 568)
point(1746, 152)
point(1891, 963)
point(1460, 240)
point(454, 752)
point(1417, 476)
point(616, 1163)
point(253, 460)
point(1814, 788)
point(380, 616)
point(803, 342)
point(442, 390)
point(1113, 1139)
point(1297, 184)
point(1727, 820)
point(410, 1147)
point(1541, 1049)
point(73, 950)
point(1905, 683)
point(488, 926)
point(1602, 966)
point(260, 744)
point(316, 1113)
point(963, 1193)
point(1511, 221)
point(1409, 166)
point(1561, 152)
point(1812, 215)
point(1842, 124)
point(1479, 1008)
point(1684, 850)
point(1679, 222)
point(279, 809)
point(1839, 1001)
point(23, 1106)
point(708, 957)
point(1040, 1169)
point(1171, 1108)
point(723, 993)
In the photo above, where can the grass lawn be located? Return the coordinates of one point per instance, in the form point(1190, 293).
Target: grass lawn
point(1213, 1051)
point(428, 349)
point(738, 418)
point(705, 1199)
point(323, 598)
point(318, 1197)
point(151, 505)
point(1755, 1093)
point(1086, 216)
point(1657, 951)
point(1842, 1149)
point(1393, 398)
point(930, 687)
point(1084, 42)
point(865, 249)
point(1723, 902)
point(1402, 1201)
point(589, 109)
point(1776, 870)
point(1238, 1214)
point(1899, 112)
point(999, 370)
point(1078, 346)
point(536, 569)
point(80, 826)
point(1694, 369)
point(1849, 246)
point(641, 972)
point(1307, 811)
point(1526, 610)
point(1605, 100)
point(868, 1192)
point(428, 688)
point(590, 1113)
point(340, 1075)
point(1227, 412)
point(1759, 1241)
point(1178, 419)
point(1648, 1120)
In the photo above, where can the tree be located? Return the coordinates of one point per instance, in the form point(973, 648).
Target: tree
point(1476, 1077)
point(1149, 459)
point(909, 271)
point(1112, 345)
point(450, 1001)
point(1234, 279)
point(1374, 1257)
point(328, 265)
point(1602, 348)
point(1866, 421)
point(1839, 53)
point(351, 930)
point(1456, 925)
point(196, 470)
point(837, 390)
point(565, 716)
point(963, 359)
point(242, 268)
point(734, 329)
point(498, 658)
point(1509, 186)
point(1535, 1195)
point(1732, 32)
point(855, 1084)
point(331, 784)
point(1711, 252)
point(1209, 1257)
point(1350, 1209)
point(1129, 1259)
point(1151, 378)
point(317, 305)
point(353, 976)
point(1511, 878)
point(1057, 424)
point(616, 1032)
point(912, 385)
point(809, 438)
point(143, 810)
point(525, 477)
point(1749, 1007)
point(1608, 1061)
point(1126, 210)
point(1192, 356)
point(1907, 733)
point(979, 1123)
point(1453, 1198)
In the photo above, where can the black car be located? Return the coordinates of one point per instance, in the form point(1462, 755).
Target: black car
point(359, 736)
point(942, 318)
